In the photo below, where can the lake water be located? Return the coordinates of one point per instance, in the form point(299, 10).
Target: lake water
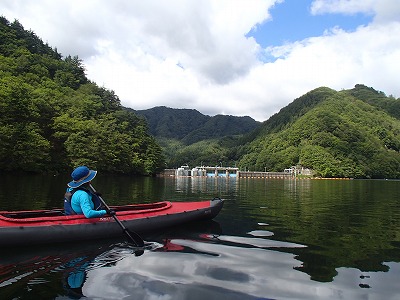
point(274, 239)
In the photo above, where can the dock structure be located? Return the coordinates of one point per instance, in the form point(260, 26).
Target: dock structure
point(219, 171)
point(207, 171)
point(252, 174)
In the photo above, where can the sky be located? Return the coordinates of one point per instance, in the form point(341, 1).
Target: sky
point(232, 57)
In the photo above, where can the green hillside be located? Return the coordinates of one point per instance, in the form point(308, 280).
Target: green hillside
point(378, 99)
point(53, 118)
point(333, 133)
point(165, 122)
point(221, 126)
point(189, 137)
point(190, 126)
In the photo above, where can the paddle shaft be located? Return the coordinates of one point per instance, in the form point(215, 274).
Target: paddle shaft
point(133, 236)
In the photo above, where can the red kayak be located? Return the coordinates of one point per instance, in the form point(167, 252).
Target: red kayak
point(52, 226)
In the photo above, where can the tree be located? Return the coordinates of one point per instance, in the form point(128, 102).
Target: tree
point(53, 118)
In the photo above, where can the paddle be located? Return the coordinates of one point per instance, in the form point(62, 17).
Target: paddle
point(133, 236)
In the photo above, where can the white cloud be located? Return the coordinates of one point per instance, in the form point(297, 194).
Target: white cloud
point(385, 11)
point(343, 6)
point(341, 59)
point(195, 54)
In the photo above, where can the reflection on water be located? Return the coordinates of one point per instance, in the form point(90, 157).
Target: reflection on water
point(274, 239)
point(206, 185)
point(229, 273)
point(217, 267)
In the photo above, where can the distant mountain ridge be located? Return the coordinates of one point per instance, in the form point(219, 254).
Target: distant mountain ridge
point(190, 126)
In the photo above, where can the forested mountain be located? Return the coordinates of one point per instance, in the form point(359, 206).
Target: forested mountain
point(351, 133)
point(294, 110)
point(190, 126)
point(189, 137)
point(378, 99)
point(52, 118)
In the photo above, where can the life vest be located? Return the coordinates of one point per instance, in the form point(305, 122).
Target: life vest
point(68, 197)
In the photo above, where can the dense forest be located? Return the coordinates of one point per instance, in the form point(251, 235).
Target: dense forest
point(351, 133)
point(190, 126)
point(52, 118)
point(189, 137)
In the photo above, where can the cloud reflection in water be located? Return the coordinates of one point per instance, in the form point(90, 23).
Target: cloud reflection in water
point(241, 273)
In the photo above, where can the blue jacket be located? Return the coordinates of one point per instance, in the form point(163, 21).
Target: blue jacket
point(82, 203)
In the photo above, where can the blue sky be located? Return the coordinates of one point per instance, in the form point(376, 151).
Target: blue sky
point(198, 54)
point(292, 21)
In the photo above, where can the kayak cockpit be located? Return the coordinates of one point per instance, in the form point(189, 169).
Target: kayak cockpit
point(33, 214)
point(124, 209)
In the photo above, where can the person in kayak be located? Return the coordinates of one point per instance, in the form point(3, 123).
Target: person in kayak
point(78, 199)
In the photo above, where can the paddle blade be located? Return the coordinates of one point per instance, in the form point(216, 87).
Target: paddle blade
point(134, 238)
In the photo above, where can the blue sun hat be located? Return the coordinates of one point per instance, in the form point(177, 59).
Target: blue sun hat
point(81, 175)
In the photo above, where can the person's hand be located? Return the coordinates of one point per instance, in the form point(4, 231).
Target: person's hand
point(111, 212)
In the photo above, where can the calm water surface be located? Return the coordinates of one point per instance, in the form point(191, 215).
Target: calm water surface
point(274, 239)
